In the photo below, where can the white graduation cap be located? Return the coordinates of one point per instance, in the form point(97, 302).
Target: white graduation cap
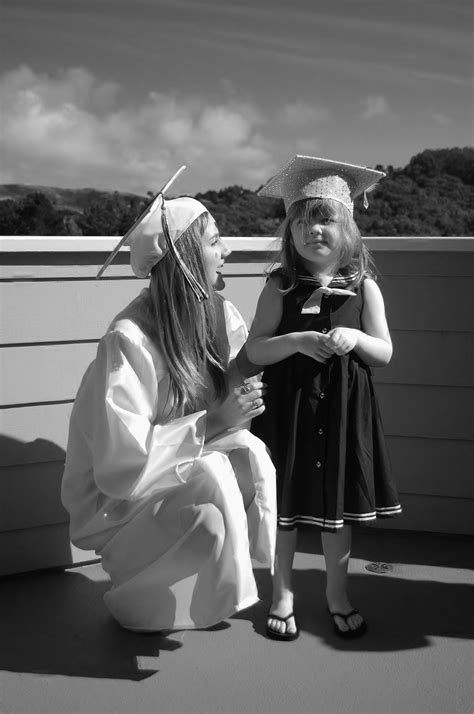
point(155, 233)
point(313, 177)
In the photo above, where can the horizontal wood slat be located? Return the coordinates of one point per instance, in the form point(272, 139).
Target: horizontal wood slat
point(43, 373)
point(428, 303)
point(30, 495)
point(62, 311)
point(34, 434)
point(435, 467)
point(432, 513)
point(421, 264)
point(36, 548)
point(238, 265)
point(429, 358)
point(446, 265)
point(429, 412)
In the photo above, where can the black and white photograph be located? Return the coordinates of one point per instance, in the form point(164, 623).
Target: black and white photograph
point(236, 393)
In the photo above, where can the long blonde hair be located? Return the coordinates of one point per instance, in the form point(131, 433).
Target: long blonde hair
point(185, 330)
point(354, 260)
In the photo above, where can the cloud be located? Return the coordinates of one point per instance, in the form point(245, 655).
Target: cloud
point(75, 130)
point(442, 119)
point(443, 77)
point(374, 106)
point(302, 115)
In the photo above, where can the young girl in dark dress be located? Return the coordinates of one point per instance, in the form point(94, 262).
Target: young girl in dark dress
point(319, 328)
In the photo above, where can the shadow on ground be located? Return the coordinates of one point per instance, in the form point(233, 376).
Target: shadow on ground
point(402, 614)
point(57, 624)
point(376, 543)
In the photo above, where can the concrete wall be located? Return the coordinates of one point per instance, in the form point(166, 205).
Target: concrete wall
point(53, 312)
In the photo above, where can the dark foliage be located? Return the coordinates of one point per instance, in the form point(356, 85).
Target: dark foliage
point(239, 212)
point(112, 215)
point(432, 196)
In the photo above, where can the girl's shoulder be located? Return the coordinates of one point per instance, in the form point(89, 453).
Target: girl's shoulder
point(276, 279)
point(372, 297)
point(369, 283)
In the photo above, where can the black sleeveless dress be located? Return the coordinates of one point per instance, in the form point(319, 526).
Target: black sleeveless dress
point(323, 428)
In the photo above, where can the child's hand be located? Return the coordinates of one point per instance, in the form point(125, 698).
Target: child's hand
point(315, 345)
point(342, 340)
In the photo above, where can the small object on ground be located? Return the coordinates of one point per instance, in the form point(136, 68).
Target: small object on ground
point(379, 567)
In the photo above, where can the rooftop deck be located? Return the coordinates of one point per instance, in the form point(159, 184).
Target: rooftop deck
point(61, 652)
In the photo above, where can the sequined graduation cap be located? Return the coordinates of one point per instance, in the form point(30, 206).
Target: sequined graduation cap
point(155, 233)
point(312, 177)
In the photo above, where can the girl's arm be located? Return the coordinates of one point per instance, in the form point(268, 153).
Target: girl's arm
point(373, 344)
point(263, 347)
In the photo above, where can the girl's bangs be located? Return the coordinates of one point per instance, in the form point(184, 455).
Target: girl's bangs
point(325, 207)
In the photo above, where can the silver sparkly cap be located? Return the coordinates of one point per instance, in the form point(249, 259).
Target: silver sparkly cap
point(312, 177)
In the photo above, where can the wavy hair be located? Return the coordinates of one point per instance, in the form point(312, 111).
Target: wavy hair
point(354, 260)
point(185, 330)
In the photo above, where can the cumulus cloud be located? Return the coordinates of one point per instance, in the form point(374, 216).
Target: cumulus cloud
point(75, 130)
point(302, 115)
point(374, 106)
point(442, 119)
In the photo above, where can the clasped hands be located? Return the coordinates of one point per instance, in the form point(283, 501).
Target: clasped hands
point(319, 346)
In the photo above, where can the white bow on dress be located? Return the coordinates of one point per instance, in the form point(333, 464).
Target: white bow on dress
point(312, 306)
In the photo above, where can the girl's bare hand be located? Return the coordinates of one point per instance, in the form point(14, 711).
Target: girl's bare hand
point(315, 345)
point(342, 340)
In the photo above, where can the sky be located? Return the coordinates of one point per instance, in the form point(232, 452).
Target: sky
point(117, 94)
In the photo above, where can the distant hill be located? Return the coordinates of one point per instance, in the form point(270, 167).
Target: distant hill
point(433, 195)
point(69, 199)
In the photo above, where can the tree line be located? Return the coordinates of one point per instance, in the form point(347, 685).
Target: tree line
point(433, 195)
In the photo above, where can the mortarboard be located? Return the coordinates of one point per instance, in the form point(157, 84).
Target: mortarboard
point(312, 177)
point(155, 233)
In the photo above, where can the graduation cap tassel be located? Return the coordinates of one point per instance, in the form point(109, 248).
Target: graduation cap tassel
point(195, 286)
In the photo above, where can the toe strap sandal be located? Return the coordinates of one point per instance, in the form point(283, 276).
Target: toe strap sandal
point(349, 633)
point(282, 636)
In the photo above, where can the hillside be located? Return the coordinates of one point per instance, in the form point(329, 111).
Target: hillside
point(69, 199)
point(433, 196)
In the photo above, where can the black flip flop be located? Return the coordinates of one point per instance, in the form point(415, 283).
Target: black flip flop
point(348, 634)
point(282, 636)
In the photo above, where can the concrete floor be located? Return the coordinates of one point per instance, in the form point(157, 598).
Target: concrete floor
point(61, 652)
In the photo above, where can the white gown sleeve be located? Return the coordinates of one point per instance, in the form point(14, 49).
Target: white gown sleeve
point(240, 367)
point(132, 456)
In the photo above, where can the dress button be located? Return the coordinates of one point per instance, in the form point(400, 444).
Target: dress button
point(318, 464)
point(320, 431)
point(322, 395)
point(325, 329)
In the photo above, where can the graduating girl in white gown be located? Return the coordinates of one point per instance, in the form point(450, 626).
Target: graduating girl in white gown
point(163, 480)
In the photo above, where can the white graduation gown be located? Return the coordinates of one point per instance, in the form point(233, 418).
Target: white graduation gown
point(176, 520)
